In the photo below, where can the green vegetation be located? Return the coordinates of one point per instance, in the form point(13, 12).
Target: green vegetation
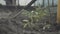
point(34, 17)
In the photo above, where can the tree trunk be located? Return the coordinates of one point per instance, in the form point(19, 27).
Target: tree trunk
point(53, 3)
point(43, 4)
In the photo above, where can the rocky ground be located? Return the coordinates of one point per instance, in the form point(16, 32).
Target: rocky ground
point(15, 26)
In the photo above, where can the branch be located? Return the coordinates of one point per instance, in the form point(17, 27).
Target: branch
point(29, 4)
